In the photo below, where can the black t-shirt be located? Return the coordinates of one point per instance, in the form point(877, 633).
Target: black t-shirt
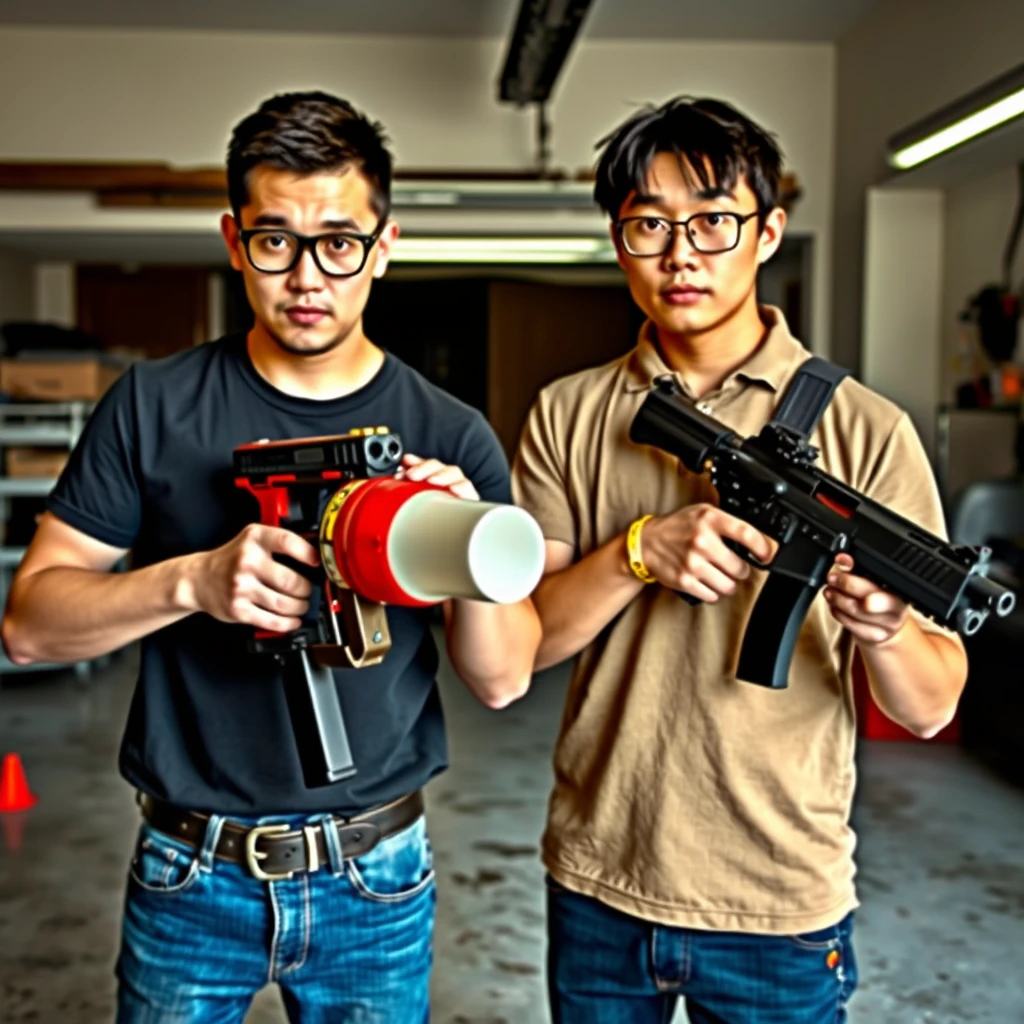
point(208, 727)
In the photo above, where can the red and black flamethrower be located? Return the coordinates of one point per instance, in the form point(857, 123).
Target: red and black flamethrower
point(382, 540)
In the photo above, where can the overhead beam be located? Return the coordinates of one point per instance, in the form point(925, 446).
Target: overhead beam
point(142, 185)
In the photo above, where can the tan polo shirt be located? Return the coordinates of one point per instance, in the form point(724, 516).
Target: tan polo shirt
point(682, 795)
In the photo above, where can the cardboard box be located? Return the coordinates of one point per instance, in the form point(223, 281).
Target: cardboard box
point(31, 462)
point(57, 381)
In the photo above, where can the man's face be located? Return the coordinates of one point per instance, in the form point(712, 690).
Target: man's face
point(686, 291)
point(305, 311)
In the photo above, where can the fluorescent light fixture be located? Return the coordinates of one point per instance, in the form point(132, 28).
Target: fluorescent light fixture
point(503, 250)
point(540, 42)
point(986, 108)
point(494, 194)
point(423, 197)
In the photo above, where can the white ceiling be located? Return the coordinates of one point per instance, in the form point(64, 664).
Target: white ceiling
point(607, 19)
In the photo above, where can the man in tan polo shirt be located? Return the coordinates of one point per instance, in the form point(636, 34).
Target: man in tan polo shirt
point(698, 841)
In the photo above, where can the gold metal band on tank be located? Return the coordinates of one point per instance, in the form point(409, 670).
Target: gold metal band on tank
point(327, 523)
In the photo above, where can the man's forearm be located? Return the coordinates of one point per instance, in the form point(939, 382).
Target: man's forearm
point(576, 603)
point(492, 648)
point(66, 614)
point(916, 678)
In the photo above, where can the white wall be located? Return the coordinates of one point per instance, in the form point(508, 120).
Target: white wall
point(902, 282)
point(788, 88)
point(15, 286)
point(978, 220)
point(174, 96)
point(55, 294)
point(902, 61)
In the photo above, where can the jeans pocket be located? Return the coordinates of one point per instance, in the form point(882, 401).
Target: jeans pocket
point(397, 868)
point(824, 939)
point(162, 864)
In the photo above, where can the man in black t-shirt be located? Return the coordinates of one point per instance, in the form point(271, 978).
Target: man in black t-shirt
point(335, 903)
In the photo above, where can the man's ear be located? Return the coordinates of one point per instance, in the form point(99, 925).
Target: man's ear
point(771, 235)
point(385, 244)
point(229, 229)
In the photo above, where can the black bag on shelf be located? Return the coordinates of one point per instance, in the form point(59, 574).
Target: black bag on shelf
point(29, 336)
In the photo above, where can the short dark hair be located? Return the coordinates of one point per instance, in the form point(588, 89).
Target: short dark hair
point(705, 135)
point(309, 132)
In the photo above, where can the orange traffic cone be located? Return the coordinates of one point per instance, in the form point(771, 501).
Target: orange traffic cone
point(14, 791)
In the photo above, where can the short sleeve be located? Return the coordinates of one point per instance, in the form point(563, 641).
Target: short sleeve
point(99, 491)
point(902, 481)
point(538, 473)
point(481, 457)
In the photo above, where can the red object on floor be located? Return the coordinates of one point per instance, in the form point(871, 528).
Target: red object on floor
point(13, 829)
point(14, 792)
point(874, 724)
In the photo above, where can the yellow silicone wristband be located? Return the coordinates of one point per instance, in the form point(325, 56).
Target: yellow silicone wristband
point(633, 549)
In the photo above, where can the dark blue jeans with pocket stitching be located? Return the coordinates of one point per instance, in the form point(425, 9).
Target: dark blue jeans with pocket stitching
point(606, 967)
point(349, 944)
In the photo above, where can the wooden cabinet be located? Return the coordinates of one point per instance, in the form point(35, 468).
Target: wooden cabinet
point(154, 310)
point(539, 332)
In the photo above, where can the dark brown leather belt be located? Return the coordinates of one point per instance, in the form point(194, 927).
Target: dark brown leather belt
point(276, 852)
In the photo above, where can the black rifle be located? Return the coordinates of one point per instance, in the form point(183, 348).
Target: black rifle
point(771, 482)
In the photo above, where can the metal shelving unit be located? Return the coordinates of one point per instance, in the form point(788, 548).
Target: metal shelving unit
point(35, 425)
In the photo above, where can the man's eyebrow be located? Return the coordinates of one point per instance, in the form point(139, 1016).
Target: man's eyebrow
point(270, 220)
point(346, 224)
point(275, 220)
point(715, 192)
point(701, 195)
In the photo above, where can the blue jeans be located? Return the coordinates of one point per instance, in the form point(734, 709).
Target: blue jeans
point(606, 967)
point(348, 944)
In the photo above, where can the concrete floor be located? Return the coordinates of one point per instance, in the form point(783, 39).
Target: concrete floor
point(939, 938)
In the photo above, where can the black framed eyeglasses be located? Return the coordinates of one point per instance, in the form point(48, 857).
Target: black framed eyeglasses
point(336, 253)
point(708, 232)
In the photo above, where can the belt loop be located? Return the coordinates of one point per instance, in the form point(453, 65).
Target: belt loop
point(210, 840)
point(334, 855)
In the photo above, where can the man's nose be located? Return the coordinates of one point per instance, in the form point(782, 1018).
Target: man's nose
point(306, 275)
point(681, 250)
